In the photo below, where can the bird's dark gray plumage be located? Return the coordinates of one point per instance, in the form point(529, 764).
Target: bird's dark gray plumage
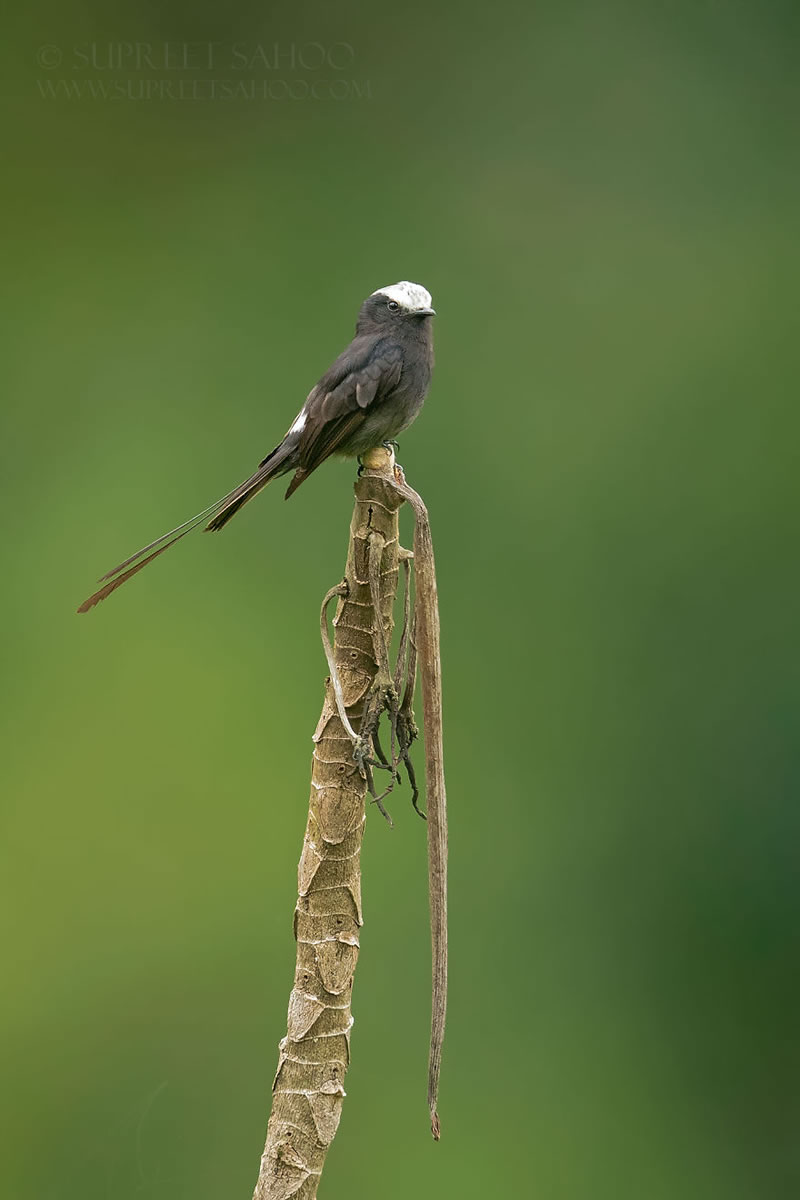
point(369, 395)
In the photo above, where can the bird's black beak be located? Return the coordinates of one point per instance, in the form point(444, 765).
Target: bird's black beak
point(424, 312)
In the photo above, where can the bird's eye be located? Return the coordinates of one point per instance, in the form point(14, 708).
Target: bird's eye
point(392, 306)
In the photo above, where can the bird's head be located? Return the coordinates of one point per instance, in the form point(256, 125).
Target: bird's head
point(399, 303)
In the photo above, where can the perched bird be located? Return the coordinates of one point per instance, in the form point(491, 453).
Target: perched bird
point(370, 394)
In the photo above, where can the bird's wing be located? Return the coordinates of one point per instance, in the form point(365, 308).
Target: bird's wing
point(361, 376)
point(359, 379)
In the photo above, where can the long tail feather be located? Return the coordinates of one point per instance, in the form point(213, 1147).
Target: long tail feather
point(230, 509)
point(272, 465)
point(225, 508)
point(165, 537)
point(103, 592)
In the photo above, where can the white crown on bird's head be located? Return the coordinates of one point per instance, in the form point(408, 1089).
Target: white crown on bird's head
point(411, 296)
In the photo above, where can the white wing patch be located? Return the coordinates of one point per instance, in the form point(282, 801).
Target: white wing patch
point(411, 296)
point(300, 422)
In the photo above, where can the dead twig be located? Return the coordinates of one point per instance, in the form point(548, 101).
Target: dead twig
point(427, 641)
point(314, 1056)
point(308, 1089)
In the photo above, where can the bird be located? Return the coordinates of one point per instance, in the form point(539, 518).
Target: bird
point(367, 397)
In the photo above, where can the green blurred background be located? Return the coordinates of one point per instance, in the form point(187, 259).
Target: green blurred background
point(603, 201)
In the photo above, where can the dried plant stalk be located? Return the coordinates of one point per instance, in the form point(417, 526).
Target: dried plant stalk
point(427, 636)
point(308, 1088)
